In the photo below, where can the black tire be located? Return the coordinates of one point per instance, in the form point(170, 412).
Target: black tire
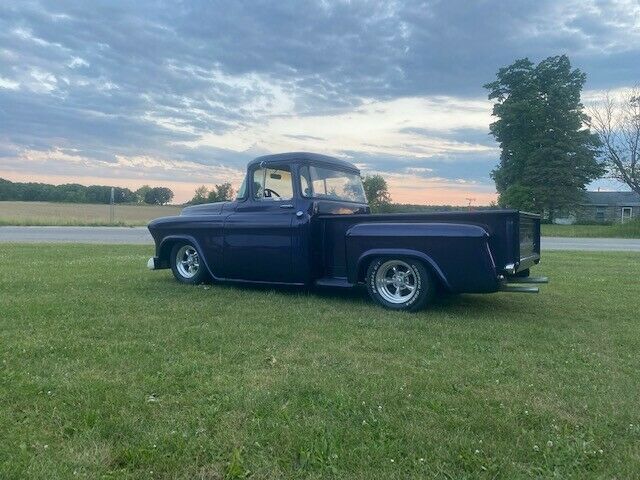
point(190, 267)
point(411, 301)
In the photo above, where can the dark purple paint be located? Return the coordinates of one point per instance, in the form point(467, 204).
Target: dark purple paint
point(307, 241)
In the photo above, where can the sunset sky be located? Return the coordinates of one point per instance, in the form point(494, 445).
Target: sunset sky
point(185, 93)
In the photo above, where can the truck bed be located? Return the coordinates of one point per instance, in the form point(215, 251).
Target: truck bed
point(514, 236)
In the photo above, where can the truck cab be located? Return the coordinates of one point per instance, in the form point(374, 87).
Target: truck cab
point(302, 219)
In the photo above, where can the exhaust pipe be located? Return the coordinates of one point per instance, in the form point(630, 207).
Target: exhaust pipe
point(535, 280)
point(517, 289)
point(520, 284)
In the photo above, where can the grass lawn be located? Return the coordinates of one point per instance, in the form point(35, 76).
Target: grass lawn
point(83, 214)
point(627, 230)
point(112, 371)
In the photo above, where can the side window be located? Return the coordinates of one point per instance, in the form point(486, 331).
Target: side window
point(272, 184)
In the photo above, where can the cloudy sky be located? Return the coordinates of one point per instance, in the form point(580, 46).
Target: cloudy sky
point(185, 93)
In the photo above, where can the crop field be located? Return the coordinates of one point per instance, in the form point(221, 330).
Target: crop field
point(112, 371)
point(89, 214)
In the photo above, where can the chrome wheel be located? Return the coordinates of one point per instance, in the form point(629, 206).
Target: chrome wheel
point(187, 261)
point(396, 281)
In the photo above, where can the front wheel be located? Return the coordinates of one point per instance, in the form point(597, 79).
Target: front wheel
point(186, 264)
point(400, 283)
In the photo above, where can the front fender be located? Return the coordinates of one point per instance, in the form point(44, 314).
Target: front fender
point(163, 249)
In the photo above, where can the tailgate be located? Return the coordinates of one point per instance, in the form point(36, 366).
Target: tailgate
point(528, 239)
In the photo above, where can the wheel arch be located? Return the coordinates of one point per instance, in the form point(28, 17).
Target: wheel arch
point(167, 244)
point(367, 257)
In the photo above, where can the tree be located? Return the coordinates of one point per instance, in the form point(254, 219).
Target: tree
point(158, 196)
point(377, 192)
point(547, 157)
point(617, 123)
point(124, 195)
point(141, 193)
point(200, 196)
point(221, 193)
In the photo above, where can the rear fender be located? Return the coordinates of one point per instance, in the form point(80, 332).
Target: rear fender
point(366, 257)
point(458, 254)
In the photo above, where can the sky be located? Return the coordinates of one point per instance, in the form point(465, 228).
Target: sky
point(182, 94)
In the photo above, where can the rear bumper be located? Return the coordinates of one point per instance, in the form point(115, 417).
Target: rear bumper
point(523, 264)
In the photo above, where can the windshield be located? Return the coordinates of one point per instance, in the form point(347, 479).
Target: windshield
point(318, 182)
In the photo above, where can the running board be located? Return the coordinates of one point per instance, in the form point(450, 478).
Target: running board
point(518, 289)
point(536, 280)
point(333, 282)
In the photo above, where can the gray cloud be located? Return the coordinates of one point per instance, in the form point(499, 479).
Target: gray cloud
point(468, 135)
point(474, 167)
point(101, 79)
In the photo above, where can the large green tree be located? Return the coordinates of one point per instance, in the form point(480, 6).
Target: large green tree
point(548, 156)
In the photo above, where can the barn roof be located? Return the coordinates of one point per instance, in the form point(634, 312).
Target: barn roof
point(620, 199)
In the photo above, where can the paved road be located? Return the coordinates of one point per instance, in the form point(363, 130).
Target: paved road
point(140, 235)
point(591, 244)
point(136, 235)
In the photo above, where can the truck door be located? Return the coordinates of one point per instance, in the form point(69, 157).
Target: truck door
point(258, 236)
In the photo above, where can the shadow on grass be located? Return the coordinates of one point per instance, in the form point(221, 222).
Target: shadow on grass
point(453, 305)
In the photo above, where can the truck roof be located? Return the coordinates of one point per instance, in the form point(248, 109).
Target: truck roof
point(307, 156)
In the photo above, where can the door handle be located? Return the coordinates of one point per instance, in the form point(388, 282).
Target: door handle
point(286, 205)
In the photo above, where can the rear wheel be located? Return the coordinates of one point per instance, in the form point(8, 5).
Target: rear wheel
point(400, 283)
point(186, 264)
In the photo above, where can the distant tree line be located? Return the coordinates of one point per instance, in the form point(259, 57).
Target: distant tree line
point(379, 198)
point(75, 193)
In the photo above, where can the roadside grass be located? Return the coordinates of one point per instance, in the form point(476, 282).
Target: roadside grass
point(111, 371)
point(626, 230)
point(80, 214)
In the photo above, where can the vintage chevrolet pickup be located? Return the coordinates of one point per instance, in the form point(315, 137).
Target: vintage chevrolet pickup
point(303, 219)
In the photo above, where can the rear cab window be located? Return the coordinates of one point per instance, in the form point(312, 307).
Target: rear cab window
point(331, 184)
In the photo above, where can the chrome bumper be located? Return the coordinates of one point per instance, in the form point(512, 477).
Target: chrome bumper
point(523, 264)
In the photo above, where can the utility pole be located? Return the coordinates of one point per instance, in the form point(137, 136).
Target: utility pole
point(470, 200)
point(112, 207)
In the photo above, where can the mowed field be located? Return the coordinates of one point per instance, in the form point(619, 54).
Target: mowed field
point(50, 213)
point(626, 230)
point(109, 370)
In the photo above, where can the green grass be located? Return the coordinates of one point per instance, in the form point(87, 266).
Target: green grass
point(112, 371)
point(626, 230)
